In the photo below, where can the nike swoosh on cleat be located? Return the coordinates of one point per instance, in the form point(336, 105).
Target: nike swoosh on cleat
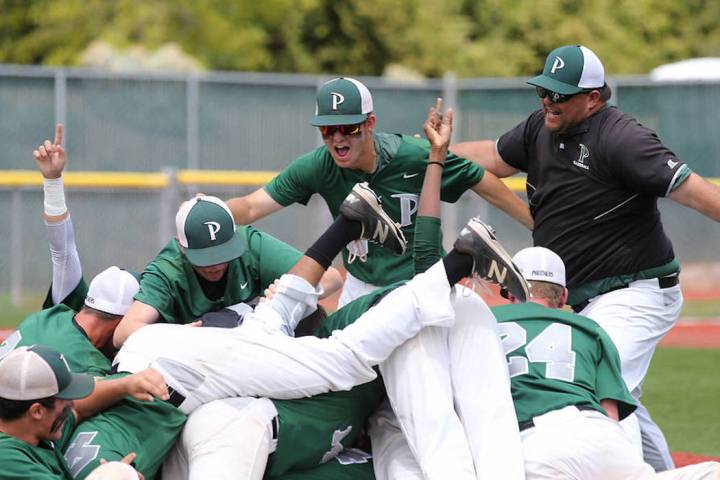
point(405, 175)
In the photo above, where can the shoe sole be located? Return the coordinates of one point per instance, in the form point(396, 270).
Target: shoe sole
point(482, 231)
point(371, 201)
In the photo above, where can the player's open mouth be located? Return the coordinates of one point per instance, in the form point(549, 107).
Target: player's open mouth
point(552, 113)
point(342, 151)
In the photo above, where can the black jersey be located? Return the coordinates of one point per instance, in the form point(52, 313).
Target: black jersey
point(593, 192)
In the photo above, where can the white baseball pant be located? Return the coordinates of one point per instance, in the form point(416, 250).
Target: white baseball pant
point(228, 439)
point(450, 391)
point(570, 444)
point(205, 364)
point(636, 319)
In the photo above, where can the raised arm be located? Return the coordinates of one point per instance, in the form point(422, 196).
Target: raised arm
point(51, 159)
point(139, 315)
point(699, 194)
point(251, 207)
point(428, 248)
point(484, 153)
point(499, 195)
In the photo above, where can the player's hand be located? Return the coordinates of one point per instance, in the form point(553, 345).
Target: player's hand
point(270, 291)
point(438, 129)
point(128, 460)
point(146, 385)
point(51, 157)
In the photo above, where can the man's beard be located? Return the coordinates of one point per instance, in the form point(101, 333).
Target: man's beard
point(62, 416)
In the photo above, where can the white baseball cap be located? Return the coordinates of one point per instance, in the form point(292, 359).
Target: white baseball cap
point(39, 371)
point(113, 471)
point(112, 291)
point(540, 264)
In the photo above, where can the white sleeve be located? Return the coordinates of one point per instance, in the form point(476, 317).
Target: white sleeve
point(66, 268)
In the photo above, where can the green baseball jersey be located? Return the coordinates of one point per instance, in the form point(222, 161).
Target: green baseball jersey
point(75, 299)
point(558, 358)
point(147, 428)
point(21, 461)
point(170, 285)
point(56, 327)
point(352, 464)
point(398, 179)
point(315, 430)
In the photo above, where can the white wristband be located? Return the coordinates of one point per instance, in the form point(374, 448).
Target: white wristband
point(54, 196)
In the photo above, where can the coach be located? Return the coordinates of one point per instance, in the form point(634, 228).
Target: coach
point(594, 175)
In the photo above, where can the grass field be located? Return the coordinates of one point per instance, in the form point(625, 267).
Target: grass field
point(681, 390)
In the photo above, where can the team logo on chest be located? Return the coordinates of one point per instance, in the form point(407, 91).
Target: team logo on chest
point(408, 206)
point(582, 160)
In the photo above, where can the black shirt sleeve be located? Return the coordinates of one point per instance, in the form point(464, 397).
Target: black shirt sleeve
point(513, 146)
point(638, 159)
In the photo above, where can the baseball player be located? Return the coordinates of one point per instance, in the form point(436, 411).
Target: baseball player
point(567, 387)
point(210, 265)
point(80, 323)
point(594, 177)
point(131, 419)
point(41, 400)
point(393, 165)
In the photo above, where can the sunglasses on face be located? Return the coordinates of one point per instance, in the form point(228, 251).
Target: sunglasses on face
point(557, 97)
point(329, 130)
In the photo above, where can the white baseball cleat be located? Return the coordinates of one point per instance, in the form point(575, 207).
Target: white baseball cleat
point(362, 205)
point(490, 260)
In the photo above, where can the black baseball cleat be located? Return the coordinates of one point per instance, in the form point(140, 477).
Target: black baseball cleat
point(490, 260)
point(362, 205)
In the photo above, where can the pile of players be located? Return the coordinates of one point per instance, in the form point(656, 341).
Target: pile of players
point(216, 361)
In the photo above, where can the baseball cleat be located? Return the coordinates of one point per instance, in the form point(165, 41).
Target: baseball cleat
point(362, 205)
point(490, 260)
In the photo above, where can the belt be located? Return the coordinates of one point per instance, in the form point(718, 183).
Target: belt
point(176, 398)
point(663, 282)
point(531, 423)
point(271, 457)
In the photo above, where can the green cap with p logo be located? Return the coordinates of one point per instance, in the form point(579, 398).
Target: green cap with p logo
point(206, 230)
point(571, 69)
point(342, 101)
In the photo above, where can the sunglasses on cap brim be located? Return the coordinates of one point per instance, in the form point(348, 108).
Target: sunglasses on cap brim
point(329, 130)
point(558, 97)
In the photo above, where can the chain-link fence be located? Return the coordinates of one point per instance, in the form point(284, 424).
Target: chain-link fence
point(237, 121)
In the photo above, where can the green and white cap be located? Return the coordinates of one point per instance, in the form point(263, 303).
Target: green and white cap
point(342, 101)
point(38, 371)
point(206, 230)
point(571, 69)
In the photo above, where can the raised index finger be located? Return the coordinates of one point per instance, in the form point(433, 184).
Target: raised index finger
point(58, 134)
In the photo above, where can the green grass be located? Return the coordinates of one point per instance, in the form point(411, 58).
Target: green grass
point(681, 391)
point(701, 308)
point(11, 315)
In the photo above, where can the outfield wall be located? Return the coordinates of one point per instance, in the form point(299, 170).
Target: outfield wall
point(163, 128)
